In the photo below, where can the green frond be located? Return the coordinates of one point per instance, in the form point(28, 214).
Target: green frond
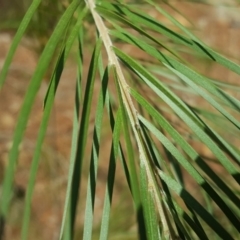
point(154, 150)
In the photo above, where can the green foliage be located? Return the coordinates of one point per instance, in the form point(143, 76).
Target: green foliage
point(140, 95)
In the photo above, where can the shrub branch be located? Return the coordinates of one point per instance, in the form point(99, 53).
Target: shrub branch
point(132, 114)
